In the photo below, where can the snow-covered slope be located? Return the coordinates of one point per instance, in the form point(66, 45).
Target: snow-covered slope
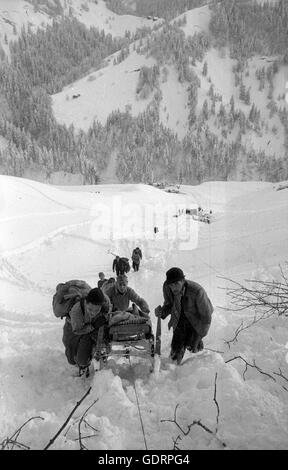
point(49, 235)
point(114, 87)
point(101, 92)
point(220, 75)
point(197, 20)
point(97, 14)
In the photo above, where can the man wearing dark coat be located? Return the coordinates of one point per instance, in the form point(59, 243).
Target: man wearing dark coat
point(120, 265)
point(190, 313)
point(136, 258)
point(80, 332)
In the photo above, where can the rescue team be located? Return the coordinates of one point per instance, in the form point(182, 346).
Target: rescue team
point(86, 309)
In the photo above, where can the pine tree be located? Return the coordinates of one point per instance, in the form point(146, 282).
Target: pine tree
point(232, 106)
point(211, 92)
point(247, 97)
point(213, 108)
point(252, 113)
point(242, 92)
point(205, 69)
point(205, 110)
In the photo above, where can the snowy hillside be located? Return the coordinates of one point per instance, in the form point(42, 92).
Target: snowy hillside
point(14, 14)
point(138, 99)
point(100, 92)
point(50, 235)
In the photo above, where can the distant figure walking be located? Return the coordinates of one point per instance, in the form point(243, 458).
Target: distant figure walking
point(136, 258)
point(121, 265)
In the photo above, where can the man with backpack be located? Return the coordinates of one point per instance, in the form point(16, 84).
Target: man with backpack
point(190, 313)
point(136, 257)
point(80, 332)
point(121, 265)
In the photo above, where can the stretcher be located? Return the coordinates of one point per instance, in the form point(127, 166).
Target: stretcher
point(133, 337)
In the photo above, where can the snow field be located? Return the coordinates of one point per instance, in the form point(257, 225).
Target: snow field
point(245, 241)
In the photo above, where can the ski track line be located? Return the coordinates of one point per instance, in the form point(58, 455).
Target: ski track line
point(25, 286)
point(20, 319)
point(21, 279)
point(41, 240)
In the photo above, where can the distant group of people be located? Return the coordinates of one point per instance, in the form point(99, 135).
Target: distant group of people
point(185, 301)
point(122, 266)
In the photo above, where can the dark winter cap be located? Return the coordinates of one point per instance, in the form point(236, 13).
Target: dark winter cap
point(174, 275)
point(95, 297)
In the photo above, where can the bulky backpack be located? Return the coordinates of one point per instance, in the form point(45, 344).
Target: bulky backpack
point(136, 256)
point(124, 264)
point(67, 294)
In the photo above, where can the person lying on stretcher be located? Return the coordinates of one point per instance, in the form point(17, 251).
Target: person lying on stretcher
point(131, 315)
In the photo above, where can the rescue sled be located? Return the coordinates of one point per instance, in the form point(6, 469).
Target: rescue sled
point(133, 337)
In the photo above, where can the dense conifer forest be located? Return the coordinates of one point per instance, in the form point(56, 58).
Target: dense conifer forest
point(45, 61)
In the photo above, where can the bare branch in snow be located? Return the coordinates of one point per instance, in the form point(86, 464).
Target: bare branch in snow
point(243, 327)
point(82, 419)
point(254, 365)
point(214, 350)
point(67, 420)
point(13, 440)
point(216, 403)
point(280, 374)
point(189, 427)
point(266, 298)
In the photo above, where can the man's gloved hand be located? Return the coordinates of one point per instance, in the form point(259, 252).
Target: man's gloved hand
point(99, 321)
point(158, 311)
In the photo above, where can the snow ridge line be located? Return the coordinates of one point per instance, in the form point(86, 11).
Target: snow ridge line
point(55, 201)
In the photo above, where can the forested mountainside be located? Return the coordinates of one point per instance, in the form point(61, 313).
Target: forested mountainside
point(232, 126)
